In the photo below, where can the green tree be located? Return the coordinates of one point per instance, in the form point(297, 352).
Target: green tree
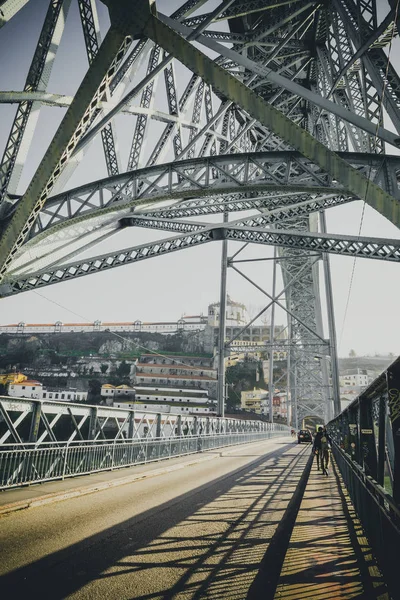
point(123, 369)
point(104, 368)
point(94, 391)
point(352, 353)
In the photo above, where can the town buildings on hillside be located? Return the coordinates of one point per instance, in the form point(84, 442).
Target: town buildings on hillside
point(176, 384)
point(352, 382)
point(257, 401)
point(207, 326)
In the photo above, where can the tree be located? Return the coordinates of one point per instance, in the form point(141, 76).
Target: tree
point(94, 391)
point(124, 369)
point(104, 368)
point(352, 353)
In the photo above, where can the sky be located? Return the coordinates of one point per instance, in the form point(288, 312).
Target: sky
point(170, 286)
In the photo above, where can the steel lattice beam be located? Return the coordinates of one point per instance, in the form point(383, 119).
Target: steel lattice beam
point(373, 248)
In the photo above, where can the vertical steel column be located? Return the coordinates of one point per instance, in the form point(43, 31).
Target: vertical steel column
point(93, 423)
point(35, 422)
point(222, 326)
point(288, 390)
point(331, 324)
point(272, 339)
point(295, 412)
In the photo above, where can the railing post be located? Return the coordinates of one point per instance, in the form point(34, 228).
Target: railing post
point(131, 424)
point(381, 442)
point(158, 425)
point(368, 447)
point(65, 460)
point(393, 384)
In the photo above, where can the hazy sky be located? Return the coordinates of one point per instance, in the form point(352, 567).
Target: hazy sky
point(185, 282)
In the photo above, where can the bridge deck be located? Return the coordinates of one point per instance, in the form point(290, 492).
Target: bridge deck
point(328, 555)
point(255, 522)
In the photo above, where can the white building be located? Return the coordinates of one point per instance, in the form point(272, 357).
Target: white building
point(358, 378)
point(36, 391)
point(26, 389)
point(236, 314)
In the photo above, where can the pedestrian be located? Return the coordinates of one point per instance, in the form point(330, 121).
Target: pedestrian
point(325, 452)
point(321, 450)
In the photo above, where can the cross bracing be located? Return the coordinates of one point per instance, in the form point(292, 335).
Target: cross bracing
point(275, 111)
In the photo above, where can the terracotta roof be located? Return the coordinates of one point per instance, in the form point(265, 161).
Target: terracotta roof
point(28, 382)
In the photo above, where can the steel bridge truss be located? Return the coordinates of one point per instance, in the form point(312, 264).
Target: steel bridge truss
point(275, 111)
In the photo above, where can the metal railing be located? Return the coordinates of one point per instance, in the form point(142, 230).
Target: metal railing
point(32, 463)
point(378, 513)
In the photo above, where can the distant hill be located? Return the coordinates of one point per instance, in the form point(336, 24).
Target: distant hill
point(372, 363)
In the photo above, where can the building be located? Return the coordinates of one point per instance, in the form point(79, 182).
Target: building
point(236, 314)
point(254, 400)
point(159, 399)
point(356, 378)
point(257, 401)
point(35, 390)
point(169, 400)
point(26, 389)
point(112, 392)
point(7, 378)
point(190, 372)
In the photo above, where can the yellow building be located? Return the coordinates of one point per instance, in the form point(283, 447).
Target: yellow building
point(6, 378)
point(254, 400)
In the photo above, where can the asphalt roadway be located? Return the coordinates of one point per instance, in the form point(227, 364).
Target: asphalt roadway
point(217, 529)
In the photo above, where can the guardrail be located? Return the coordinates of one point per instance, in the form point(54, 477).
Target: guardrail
point(378, 513)
point(366, 446)
point(33, 464)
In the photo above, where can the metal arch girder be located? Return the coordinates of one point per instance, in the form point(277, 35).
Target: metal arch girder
point(374, 248)
point(273, 119)
point(254, 174)
point(38, 77)
point(73, 125)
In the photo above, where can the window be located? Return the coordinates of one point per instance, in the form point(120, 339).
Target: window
point(33, 388)
point(44, 394)
point(62, 396)
point(69, 397)
point(23, 387)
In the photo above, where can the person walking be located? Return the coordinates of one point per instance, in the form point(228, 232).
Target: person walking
point(321, 448)
point(325, 451)
point(317, 446)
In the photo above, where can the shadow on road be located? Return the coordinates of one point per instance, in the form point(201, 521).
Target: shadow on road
point(209, 543)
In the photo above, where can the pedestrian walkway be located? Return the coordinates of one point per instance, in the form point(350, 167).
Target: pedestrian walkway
point(328, 556)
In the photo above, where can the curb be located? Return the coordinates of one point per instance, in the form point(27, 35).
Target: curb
point(98, 487)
